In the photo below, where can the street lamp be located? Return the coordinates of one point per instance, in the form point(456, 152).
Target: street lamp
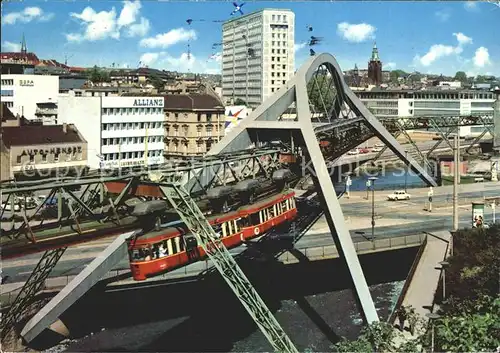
point(406, 172)
point(372, 183)
point(444, 266)
point(432, 317)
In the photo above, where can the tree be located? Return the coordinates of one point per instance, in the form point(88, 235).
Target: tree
point(240, 101)
point(471, 331)
point(322, 93)
point(97, 75)
point(396, 74)
point(461, 76)
point(157, 83)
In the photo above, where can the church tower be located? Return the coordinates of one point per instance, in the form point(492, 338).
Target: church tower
point(375, 67)
point(24, 49)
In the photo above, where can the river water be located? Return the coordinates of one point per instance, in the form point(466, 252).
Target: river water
point(312, 301)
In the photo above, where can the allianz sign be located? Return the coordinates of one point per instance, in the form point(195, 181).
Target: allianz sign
point(148, 102)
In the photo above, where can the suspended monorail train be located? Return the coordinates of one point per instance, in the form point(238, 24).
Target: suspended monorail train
point(173, 246)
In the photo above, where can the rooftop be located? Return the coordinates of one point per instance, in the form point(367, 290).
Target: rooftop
point(29, 135)
point(253, 13)
point(192, 101)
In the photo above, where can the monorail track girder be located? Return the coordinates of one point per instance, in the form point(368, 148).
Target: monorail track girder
point(212, 244)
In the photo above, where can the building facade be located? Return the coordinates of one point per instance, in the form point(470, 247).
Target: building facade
point(120, 131)
point(258, 55)
point(22, 93)
point(406, 103)
point(193, 124)
point(35, 150)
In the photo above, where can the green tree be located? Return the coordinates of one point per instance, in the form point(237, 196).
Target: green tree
point(396, 74)
point(471, 332)
point(97, 75)
point(240, 101)
point(322, 93)
point(461, 76)
point(157, 82)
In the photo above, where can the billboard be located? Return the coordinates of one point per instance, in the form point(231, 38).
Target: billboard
point(477, 214)
point(234, 115)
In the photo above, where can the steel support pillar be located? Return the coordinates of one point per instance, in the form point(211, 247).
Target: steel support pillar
point(333, 211)
point(496, 122)
point(211, 242)
point(75, 289)
point(32, 287)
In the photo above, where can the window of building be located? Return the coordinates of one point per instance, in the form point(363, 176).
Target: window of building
point(209, 117)
point(273, 18)
point(44, 157)
point(284, 81)
point(18, 159)
point(176, 115)
point(209, 130)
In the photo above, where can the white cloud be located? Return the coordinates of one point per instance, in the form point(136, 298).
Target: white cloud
point(139, 29)
point(481, 57)
point(390, 65)
point(442, 15)
point(150, 58)
point(438, 51)
point(106, 24)
point(168, 39)
point(129, 13)
point(356, 32)
point(27, 15)
point(471, 6)
point(182, 63)
point(299, 46)
point(462, 38)
point(11, 47)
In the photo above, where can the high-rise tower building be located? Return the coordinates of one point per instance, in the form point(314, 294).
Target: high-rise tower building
point(375, 67)
point(258, 55)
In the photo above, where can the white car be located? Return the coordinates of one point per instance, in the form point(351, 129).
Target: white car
point(8, 207)
point(398, 195)
point(376, 149)
point(353, 152)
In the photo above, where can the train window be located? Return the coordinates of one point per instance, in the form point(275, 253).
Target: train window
point(170, 247)
point(224, 230)
point(243, 222)
point(255, 219)
point(229, 228)
point(235, 225)
point(175, 243)
point(262, 216)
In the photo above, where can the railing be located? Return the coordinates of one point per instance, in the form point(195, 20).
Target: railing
point(408, 280)
point(364, 247)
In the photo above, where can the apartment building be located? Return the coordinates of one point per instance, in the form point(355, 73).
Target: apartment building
point(258, 55)
point(193, 124)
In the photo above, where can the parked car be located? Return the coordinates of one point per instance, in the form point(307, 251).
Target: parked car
point(364, 150)
point(398, 195)
point(8, 207)
point(353, 152)
point(376, 149)
point(381, 145)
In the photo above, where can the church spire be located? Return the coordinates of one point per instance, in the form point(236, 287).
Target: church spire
point(375, 56)
point(24, 50)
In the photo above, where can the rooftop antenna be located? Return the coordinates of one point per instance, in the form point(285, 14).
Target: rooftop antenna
point(189, 46)
point(66, 57)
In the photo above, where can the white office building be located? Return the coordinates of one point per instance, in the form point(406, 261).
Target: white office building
point(258, 55)
point(406, 103)
point(22, 93)
point(120, 131)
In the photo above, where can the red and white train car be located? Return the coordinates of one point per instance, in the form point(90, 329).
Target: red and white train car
point(173, 246)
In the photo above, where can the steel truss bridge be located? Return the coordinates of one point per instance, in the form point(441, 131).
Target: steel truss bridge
point(316, 105)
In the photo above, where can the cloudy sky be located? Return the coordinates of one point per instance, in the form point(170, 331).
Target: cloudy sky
point(437, 37)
